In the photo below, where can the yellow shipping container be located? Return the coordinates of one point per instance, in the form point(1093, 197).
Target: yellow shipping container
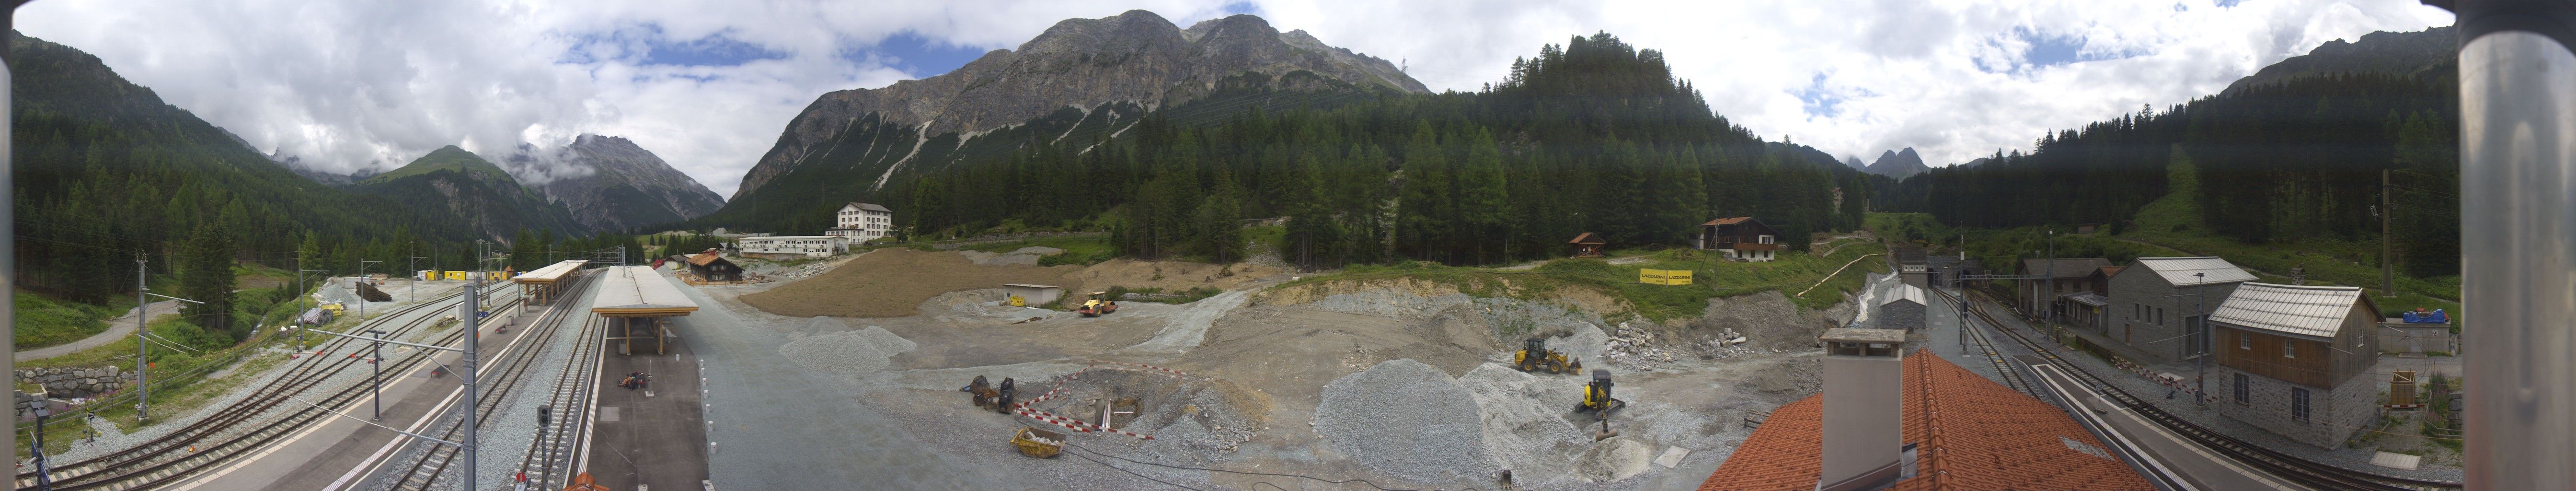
point(457, 275)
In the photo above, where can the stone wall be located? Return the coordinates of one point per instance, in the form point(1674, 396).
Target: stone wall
point(2333, 414)
point(77, 382)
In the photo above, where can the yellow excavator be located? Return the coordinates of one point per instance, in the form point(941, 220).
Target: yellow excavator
point(1596, 396)
point(1536, 357)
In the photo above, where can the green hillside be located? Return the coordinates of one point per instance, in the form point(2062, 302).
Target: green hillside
point(448, 158)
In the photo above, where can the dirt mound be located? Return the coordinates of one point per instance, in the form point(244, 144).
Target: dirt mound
point(1168, 275)
point(894, 282)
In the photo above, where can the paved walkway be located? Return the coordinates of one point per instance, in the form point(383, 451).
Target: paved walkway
point(117, 328)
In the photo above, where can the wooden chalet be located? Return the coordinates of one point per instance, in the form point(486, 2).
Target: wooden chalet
point(1741, 239)
point(1589, 245)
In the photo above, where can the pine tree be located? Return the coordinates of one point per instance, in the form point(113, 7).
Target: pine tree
point(206, 275)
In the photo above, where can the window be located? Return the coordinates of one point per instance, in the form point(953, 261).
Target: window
point(2240, 389)
point(2244, 341)
point(2299, 404)
point(2290, 349)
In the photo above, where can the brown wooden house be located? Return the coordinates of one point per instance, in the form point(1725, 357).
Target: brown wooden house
point(711, 267)
point(1589, 245)
point(2296, 360)
point(1741, 239)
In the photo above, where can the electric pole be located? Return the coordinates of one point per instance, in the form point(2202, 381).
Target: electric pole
point(301, 295)
point(143, 339)
point(474, 331)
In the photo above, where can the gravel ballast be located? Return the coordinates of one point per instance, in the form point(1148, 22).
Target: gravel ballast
point(1520, 414)
point(1406, 419)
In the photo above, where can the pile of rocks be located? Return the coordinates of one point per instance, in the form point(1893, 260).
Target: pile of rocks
point(76, 382)
point(1725, 344)
point(1635, 349)
point(801, 272)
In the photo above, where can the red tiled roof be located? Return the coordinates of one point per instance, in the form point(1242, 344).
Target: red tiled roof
point(1970, 434)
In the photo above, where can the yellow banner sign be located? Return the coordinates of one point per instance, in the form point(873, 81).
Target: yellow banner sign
point(1664, 276)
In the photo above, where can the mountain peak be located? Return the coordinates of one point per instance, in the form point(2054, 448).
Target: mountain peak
point(1898, 164)
point(620, 185)
point(1135, 57)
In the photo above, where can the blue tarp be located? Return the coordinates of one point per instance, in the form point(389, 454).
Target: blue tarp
point(2434, 317)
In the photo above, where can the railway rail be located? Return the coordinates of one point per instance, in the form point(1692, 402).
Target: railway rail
point(2311, 473)
point(549, 461)
point(220, 436)
point(495, 388)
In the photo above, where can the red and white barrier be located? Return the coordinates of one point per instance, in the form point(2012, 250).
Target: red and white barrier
point(1025, 408)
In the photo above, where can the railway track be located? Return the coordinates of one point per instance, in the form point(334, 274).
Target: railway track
point(1994, 355)
point(2311, 473)
point(496, 388)
point(550, 456)
point(239, 428)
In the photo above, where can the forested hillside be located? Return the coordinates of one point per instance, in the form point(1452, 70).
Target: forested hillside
point(105, 171)
point(1595, 135)
point(2299, 158)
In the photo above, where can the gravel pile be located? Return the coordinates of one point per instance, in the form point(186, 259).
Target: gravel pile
point(1726, 344)
point(1406, 419)
point(801, 272)
point(1523, 428)
point(1615, 459)
point(864, 350)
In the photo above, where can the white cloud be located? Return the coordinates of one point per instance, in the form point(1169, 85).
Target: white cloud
point(355, 85)
point(1945, 78)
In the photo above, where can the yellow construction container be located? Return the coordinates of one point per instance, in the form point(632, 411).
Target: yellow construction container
point(457, 275)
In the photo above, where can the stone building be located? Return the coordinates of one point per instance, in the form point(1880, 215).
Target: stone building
point(2296, 360)
point(2157, 302)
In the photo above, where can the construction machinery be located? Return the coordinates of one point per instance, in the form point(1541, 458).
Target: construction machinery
point(985, 395)
point(1536, 356)
point(1596, 397)
point(1038, 443)
point(1098, 305)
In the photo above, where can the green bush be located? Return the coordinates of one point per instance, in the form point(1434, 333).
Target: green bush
point(46, 322)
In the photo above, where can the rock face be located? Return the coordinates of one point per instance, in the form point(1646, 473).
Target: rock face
point(472, 189)
point(1134, 57)
point(625, 187)
point(1899, 165)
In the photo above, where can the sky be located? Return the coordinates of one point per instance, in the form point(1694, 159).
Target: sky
point(708, 86)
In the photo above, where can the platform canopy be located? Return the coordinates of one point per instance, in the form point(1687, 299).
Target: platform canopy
point(551, 272)
point(636, 291)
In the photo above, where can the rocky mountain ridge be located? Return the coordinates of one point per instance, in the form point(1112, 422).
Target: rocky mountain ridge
point(625, 186)
point(1134, 57)
point(1898, 165)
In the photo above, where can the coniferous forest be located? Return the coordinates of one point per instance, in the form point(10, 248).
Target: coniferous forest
point(1592, 136)
point(2281, 161)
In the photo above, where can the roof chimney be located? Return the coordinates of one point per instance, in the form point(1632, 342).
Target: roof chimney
point(1864, 408)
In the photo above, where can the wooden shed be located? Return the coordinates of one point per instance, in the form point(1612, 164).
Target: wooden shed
point(1588, 245)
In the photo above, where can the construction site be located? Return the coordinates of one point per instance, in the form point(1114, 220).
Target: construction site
point(915, 368)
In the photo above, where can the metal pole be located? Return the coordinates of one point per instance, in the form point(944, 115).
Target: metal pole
point(2518, 241)
point(376, 358)
point(142, 361)
point(8, 239)
point(474, 331)
point(2200, 307)
point(44, 470)
point(2387, 255)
